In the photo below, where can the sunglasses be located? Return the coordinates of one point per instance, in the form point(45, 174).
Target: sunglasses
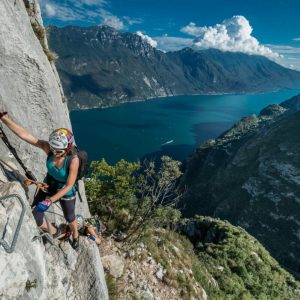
point(57, 151)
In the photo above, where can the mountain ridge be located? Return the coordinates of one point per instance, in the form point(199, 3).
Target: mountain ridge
point(101, 67)
point(249, 175)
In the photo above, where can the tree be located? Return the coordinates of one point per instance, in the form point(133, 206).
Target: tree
point(132, 197)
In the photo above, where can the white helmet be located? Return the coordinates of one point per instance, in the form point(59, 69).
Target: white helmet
point(61, 138)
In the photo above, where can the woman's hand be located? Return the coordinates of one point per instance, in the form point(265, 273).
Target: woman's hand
point(23, 134)
point(43, 205)
point(3, 114)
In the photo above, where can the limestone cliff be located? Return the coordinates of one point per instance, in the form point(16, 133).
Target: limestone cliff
point(30, 91)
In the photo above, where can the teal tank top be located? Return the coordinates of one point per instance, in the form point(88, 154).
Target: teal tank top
point(59, 174)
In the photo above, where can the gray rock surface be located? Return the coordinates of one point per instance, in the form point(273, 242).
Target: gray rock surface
point(29, 87)
point(159, 273)
point(30, 91)
point(114, 264)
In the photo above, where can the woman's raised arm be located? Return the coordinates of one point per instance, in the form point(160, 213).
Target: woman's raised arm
point(23, 134)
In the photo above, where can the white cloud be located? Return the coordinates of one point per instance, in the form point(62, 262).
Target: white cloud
point(192, 29)
point(92, 2)
point(84, 3)
point(285, 49)
point(60, 11)
point(90, 11)
point(132, 21)
point(111, 20)
point(147, 38)
point(50, 10)
point(66, 11)
point(172, 43)
point(233, 34)
point(288, 54)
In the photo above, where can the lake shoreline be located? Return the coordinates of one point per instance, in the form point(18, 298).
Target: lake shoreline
point(148, 127)
point(177, 95)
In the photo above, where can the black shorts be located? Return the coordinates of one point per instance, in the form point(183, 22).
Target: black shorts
point(67, 204)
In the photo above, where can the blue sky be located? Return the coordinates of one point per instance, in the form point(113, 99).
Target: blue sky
point(265, 27)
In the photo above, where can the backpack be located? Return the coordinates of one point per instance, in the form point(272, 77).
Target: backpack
point(83, 163)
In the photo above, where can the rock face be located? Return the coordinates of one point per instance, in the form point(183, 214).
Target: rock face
point(250, 176)
point(29, 87)
point(113, 264)
point(31, 93)
point(153, 270)
point(100, 67)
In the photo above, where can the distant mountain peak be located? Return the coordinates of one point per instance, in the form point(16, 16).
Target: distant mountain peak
point(101, 66)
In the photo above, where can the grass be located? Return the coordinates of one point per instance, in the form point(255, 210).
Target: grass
point(112, 287)
point(41, 35)
point(30, 284)
point(241, 266)
point(175, 253)
point(38, 30)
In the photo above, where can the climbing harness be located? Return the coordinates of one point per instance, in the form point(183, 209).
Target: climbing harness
point(81, 170)
point(28, 173)
point(24, 179)
point(11, 248)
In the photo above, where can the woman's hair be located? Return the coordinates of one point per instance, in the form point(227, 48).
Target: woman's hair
point(71, 151)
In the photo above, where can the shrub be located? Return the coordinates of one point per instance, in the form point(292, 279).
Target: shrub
point(41, 35)
point(112, 287)
point(132, 197)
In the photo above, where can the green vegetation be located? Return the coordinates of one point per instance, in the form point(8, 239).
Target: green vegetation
point(40, 34)
point(30, 284)
point(112, 287)
point(240, 265)
point(176, 255)
point(30, 7)
point(38, 29)
point(222, 259)
point(131, 197)
point(249, 179)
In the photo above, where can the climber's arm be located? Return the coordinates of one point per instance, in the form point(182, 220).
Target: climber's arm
point(23, 134)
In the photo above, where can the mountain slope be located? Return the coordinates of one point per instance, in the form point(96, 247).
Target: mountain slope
point(238, 266)
point(210, 259)
point(238, 72)
point(250, 176)
point(100, 66)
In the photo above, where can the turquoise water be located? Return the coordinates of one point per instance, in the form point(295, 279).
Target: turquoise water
point(173, 126)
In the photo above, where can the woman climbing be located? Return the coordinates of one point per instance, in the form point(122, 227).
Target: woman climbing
point(61, 181)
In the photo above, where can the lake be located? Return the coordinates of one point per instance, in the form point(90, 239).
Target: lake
point(174, 126)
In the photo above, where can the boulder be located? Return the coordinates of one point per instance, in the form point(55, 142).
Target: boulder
point(114, 264)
